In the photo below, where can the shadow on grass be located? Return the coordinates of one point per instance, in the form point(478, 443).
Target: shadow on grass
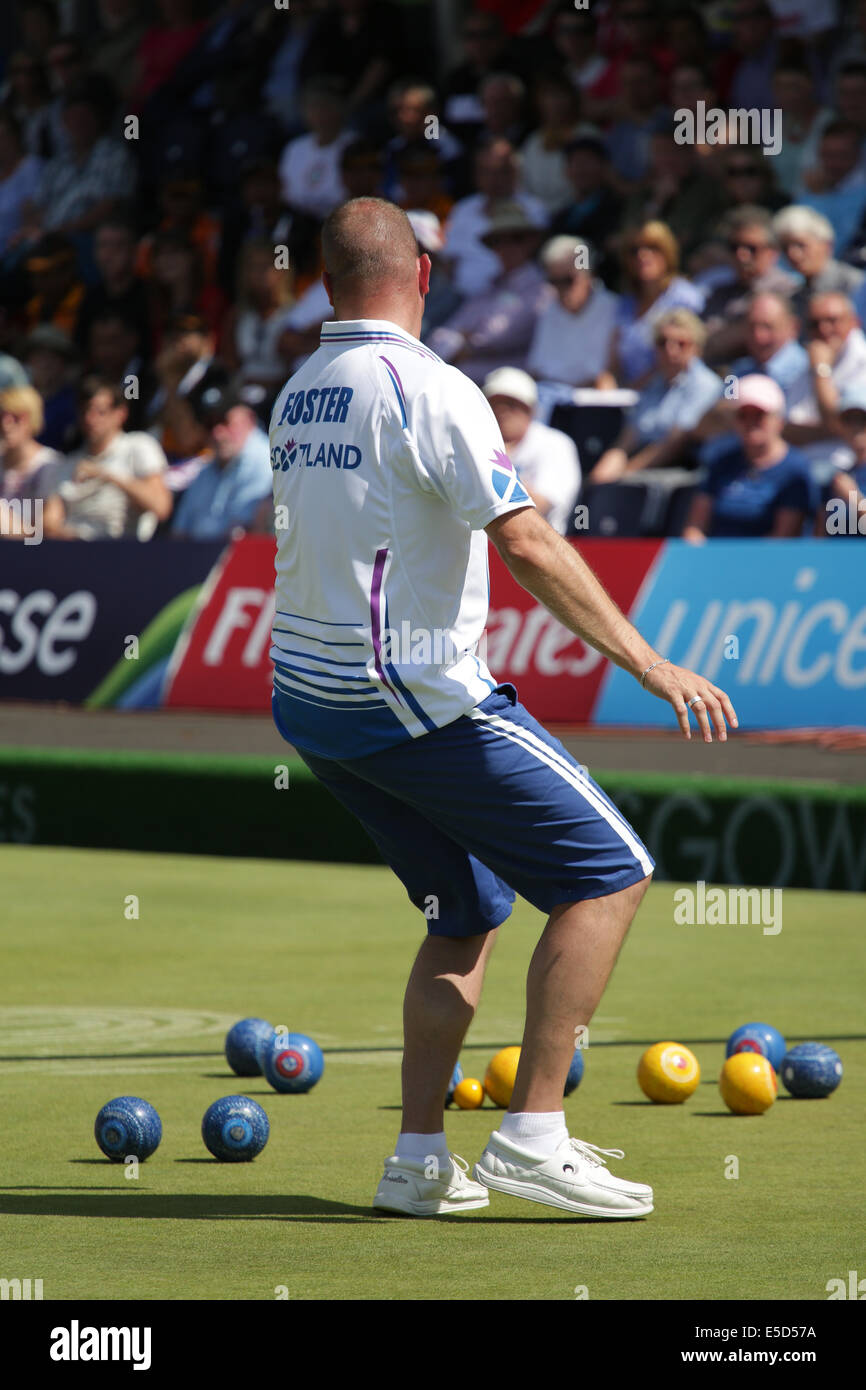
point(97, 1202)
point(724, 1115)
point(357, 1049)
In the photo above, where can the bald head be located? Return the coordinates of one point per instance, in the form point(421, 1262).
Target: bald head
point(369, 250)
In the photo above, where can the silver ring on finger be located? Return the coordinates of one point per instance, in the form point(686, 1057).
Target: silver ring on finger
point(695, 700)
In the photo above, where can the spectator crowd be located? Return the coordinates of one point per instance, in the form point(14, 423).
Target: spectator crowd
point(166, 166)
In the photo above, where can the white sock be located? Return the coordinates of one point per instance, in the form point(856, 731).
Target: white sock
point(419, 1146)
point(539, 1132)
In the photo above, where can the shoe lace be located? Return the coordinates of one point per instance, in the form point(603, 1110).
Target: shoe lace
point(593, 1154)
point(460, 1162)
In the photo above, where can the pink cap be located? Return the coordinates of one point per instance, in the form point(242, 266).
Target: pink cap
point(761, 392)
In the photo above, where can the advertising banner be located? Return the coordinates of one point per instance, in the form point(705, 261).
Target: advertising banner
point(69, 608)
point(221, 660)
point(780, 625)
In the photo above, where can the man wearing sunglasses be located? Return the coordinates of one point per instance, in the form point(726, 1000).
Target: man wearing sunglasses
point(837, 359)
point(754, 255)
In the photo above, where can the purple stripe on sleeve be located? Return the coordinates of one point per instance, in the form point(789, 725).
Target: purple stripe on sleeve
point(375, 615)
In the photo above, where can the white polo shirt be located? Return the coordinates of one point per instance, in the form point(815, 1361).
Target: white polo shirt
point(574, 348)
point(389, 463)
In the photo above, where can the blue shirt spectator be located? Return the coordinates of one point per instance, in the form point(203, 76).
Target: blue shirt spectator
point(759, 485)
point(650, 258)
point(837, 187)
point(785, 365)
point(659, 427)
point(746, 500)
point(635, 349)
point(666, 405)
point(228, 490)
point(844, 209)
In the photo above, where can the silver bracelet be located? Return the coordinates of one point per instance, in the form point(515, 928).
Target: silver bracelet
point(664, 662)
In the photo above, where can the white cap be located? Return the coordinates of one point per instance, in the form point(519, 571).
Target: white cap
point(427, 229)
point(512, 382)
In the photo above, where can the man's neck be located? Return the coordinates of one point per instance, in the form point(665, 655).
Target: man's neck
point(400, 317)
point(97, 450)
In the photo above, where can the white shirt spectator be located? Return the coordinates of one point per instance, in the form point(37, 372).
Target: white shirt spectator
point(544, 172)
point(98, 510)
point(310, 174)
point(574, 348)
point(548, 466)
point(848, 370)
point(475, 265)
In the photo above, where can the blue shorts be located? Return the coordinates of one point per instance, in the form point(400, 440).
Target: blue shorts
point(486, 807)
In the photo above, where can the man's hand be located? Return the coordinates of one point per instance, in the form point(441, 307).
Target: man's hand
point(611, 466)
point(820, 353)
point(687, 691)
point(88, 471)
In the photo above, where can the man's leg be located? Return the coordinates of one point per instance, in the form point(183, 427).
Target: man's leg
point(570, 968)
point(531, 1154)
point(441, 998)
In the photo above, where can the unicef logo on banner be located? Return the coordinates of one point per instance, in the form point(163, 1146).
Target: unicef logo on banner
point(782, 629)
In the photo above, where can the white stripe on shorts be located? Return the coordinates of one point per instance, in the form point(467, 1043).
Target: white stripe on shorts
point(532, 740)
point(529, 741)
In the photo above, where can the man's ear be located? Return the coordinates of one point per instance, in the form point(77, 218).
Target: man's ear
point(425, 265)
point(326, 281)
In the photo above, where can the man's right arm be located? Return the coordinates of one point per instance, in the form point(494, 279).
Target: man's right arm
point(551, 569)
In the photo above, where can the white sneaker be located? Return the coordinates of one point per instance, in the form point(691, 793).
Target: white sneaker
point(575, 1178)
point(406, 1189)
